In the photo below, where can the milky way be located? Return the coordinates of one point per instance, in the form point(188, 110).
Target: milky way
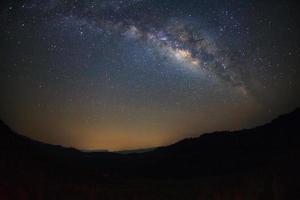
point(122, 74)
point(180, 40)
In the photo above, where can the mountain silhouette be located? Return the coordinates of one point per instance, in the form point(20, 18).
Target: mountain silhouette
point(263, 162)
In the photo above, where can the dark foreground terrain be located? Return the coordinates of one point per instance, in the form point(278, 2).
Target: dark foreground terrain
point(260, 163)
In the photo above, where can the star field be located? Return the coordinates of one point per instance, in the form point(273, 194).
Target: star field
point(123, 74)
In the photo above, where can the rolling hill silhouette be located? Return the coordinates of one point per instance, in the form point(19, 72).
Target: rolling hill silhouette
point(258, 163)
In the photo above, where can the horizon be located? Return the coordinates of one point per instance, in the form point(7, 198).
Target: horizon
point(147, 149)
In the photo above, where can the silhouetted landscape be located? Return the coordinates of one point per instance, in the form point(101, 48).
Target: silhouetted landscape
point(259, 163)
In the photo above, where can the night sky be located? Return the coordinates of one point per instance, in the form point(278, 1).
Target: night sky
point(126, 74)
